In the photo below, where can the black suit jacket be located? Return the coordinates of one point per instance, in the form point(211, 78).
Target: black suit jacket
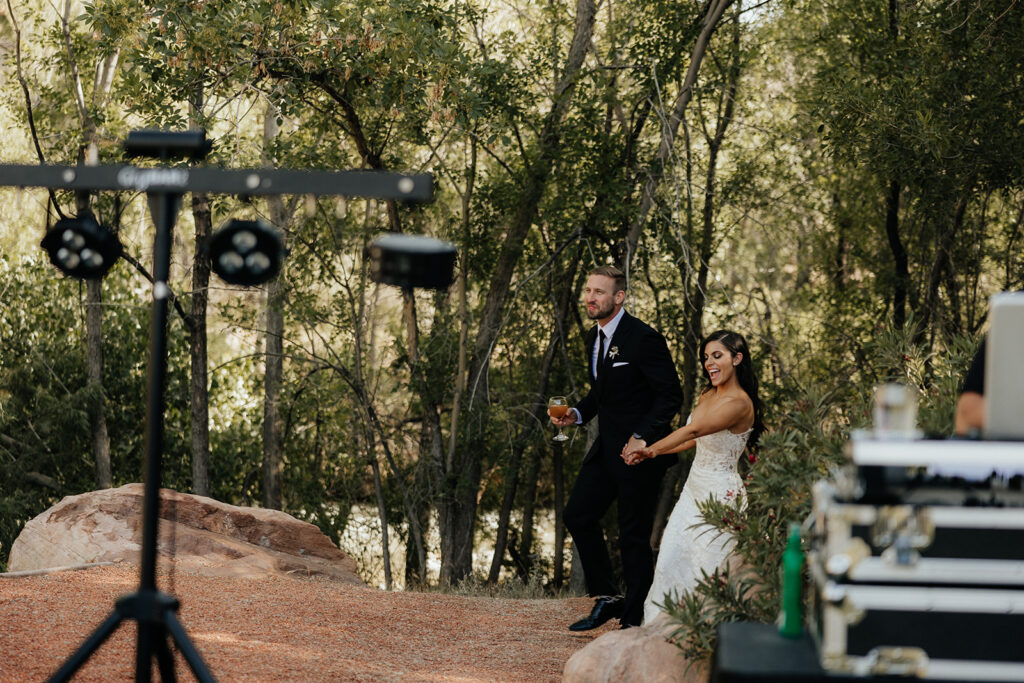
point(638, 392)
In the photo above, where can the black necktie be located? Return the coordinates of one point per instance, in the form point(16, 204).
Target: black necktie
point(600, 352)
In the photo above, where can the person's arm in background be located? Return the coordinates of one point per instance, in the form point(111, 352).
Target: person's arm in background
point(970, 405)
point(970, 413)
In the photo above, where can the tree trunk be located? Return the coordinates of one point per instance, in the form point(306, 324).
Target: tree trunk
point(431, 448)
point(446, 464)
point(557, 465)
point(382, 513)
point(94, 366)
point(273, 460)
point(94, 372)
point(198, 380)
point(463, 294)
point(942, 261)
point(525, 550)
point(415, 550)
point(198, 355)
point(901, 285)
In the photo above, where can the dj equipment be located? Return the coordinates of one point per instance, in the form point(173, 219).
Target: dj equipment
point(917, 561)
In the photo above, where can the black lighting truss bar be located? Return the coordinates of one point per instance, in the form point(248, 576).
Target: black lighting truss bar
point(256, 181)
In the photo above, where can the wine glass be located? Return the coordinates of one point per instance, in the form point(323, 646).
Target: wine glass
point(558, 407)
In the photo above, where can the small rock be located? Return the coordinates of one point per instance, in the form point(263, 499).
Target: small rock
point(635, 654)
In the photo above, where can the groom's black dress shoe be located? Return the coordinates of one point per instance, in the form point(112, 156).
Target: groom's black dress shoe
point(605, 608)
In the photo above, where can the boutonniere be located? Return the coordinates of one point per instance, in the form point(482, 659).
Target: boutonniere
point(612, 352)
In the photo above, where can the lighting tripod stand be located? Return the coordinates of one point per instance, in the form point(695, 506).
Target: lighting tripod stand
point(155, 611)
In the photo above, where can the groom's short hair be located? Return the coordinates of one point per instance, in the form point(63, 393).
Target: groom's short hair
point(615, 274)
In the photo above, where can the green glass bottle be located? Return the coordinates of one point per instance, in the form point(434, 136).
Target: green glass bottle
point(791, 623)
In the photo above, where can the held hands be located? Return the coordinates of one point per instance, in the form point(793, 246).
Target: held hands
point(636, 450)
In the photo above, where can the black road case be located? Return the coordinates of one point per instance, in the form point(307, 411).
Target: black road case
point(918, 570)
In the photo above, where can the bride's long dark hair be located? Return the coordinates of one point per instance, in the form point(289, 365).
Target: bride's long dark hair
point(735, 342)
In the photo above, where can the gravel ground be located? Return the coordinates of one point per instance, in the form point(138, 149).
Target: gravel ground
point(284, 629)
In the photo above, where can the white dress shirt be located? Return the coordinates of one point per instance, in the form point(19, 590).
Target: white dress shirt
point(609, 330)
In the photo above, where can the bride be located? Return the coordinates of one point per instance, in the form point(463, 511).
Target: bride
point(727, 419)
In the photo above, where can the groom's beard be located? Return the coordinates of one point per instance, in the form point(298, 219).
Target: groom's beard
point(601, 313)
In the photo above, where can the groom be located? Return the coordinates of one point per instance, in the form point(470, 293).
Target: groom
point(635, 392)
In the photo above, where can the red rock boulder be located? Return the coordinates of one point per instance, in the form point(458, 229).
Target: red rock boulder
point(200, 534)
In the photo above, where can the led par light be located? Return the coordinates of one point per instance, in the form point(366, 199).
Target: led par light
point(409, 261)
point(246, 253)
point(81, 247)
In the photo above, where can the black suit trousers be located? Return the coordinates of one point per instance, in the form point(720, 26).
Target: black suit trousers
point(598, 485)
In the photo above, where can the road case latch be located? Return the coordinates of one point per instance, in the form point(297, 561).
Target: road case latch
point(893, 661)
point(902, 530)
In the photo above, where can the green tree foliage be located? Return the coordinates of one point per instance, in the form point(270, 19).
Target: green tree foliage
point(922, 99)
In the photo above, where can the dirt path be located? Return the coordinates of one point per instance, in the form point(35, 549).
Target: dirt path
point(281, 629)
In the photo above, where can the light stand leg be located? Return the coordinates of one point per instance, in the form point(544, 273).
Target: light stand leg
point(85, 650)
point(143, 653)
point(164, 659)
point(191, 654)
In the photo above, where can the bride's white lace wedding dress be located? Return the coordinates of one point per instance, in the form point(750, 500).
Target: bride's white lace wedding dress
point(689, 544)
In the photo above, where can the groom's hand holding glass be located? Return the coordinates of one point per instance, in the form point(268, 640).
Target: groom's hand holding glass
point(561, 415)
point(566, 419)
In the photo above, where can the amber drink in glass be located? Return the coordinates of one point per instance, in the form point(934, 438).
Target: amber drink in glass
point(558, 407)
